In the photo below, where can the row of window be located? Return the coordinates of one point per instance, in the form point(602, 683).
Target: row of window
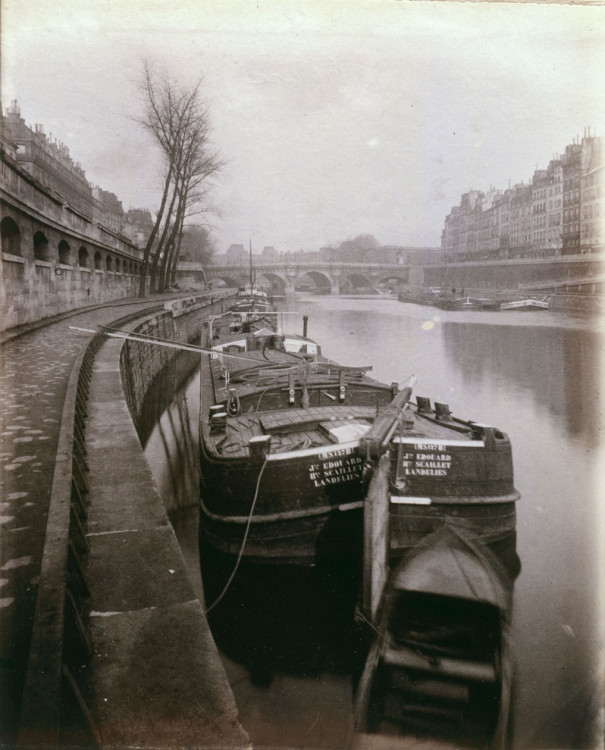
point(592, 209)
point(11, 243)
point(591, 230)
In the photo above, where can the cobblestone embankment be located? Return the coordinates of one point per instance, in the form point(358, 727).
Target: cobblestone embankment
point(34, 372)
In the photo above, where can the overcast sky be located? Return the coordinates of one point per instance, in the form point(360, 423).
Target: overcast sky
point(335, 118)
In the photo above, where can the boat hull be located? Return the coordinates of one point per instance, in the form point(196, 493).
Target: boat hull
point(525, 305)
point(469, 484)
point(441, 667)
point(308, 506)
point(303, 506)
point(488, 523)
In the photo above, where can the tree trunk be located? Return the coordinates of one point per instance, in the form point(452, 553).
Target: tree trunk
point(171, 243)
point(154, 232)
point(162, 240)
point(175, 256)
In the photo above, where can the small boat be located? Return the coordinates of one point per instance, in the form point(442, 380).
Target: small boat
point(451, 303)
point(439, 663)
point(249, 298)
point(481, 303)
point(448, 300)
point(485, 303)
point(525, 304)
point(467, 303)
point(433, 297)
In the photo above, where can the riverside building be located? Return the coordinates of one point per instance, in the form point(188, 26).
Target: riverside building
point(559, 213)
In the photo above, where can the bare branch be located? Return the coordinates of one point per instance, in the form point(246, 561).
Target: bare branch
point(179, 121)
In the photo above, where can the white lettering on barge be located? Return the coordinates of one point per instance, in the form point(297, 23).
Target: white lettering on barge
point(427, 460)
point(335, 467)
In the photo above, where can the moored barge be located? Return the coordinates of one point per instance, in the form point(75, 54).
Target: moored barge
point(280, 432)
point(288, 440)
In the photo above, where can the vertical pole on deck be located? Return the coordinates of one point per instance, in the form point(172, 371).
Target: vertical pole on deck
point(376, 538)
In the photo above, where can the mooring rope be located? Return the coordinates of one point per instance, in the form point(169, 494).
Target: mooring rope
point(243, 544)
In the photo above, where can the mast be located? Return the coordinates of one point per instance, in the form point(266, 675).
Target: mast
point(251, 274)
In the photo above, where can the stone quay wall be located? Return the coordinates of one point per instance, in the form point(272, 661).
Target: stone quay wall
point(571, 277)
point(141, 364)
point(55, 259)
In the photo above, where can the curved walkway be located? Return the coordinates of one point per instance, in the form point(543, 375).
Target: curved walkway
point(34, 371)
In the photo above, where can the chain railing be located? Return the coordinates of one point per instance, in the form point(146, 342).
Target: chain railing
point(56, 707)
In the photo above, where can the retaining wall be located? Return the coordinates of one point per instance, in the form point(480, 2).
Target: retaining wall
point(156, 675)
point(141, 364)
point(54, 258)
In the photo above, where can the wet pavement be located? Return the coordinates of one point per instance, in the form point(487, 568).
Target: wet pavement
point(34, 373)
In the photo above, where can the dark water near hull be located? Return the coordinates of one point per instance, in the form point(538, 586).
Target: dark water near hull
point(536, 376)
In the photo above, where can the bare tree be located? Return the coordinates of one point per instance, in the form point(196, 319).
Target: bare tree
point(179, 121)
point(196, 167)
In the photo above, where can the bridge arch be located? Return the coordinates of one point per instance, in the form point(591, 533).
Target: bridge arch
point(40, 246)
point(83, 260)
point(355, 280)
point(274, 279)
point(64, 253)
point(320, 280)
point(227, 280)
point(392, 279)
point(11, 236)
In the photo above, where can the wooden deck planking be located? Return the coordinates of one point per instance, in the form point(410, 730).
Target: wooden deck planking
point(442, 430)
point(284, 418)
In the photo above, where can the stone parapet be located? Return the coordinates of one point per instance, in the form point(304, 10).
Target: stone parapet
point(156, 673)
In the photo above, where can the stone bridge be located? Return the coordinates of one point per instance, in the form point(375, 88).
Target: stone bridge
point(578, 274)
point(286, 274)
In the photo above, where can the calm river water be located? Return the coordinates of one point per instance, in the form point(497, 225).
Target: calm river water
point(537, 377)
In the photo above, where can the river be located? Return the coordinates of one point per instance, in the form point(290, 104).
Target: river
point(536, 376)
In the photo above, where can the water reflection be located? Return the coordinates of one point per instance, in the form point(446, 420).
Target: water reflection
point(169, 432)
point(539, 384)
point(559, 367)
point(283, 620)
point(170, 382)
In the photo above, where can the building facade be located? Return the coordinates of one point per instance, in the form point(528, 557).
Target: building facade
point(559, 213)
point(592, 215)
point(49, 163)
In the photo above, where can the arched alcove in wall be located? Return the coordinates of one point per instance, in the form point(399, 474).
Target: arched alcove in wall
point(40, 246)
point(64, 252)
point(11, 236)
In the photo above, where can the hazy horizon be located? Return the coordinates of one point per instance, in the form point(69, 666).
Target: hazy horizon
point(334, 118)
